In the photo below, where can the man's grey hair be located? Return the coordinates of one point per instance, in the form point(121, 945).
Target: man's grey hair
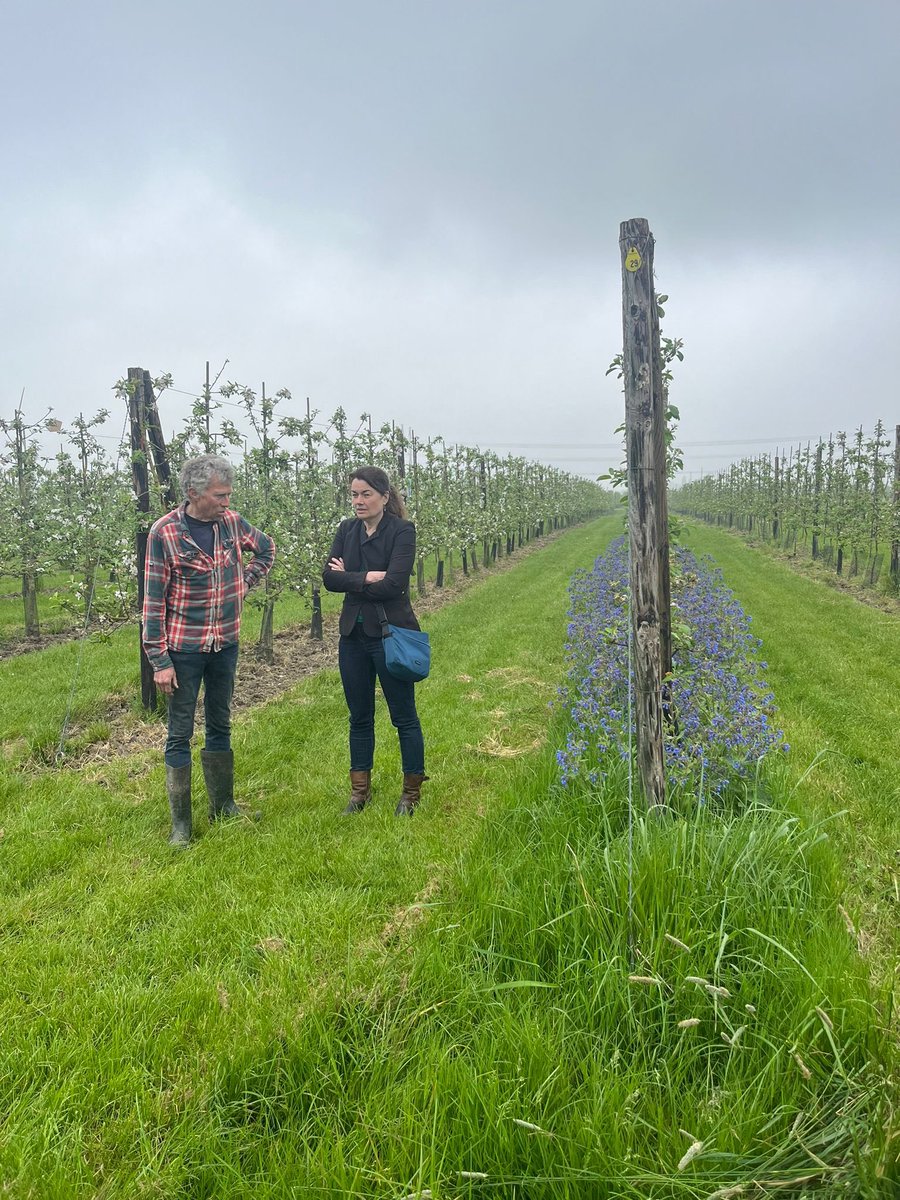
point(198, 473)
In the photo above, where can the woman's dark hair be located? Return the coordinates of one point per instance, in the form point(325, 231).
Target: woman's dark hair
point(376, 478)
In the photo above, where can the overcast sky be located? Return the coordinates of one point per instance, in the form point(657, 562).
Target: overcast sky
point(411, 208)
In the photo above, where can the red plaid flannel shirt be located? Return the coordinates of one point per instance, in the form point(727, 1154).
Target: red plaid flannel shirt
point(192, 601)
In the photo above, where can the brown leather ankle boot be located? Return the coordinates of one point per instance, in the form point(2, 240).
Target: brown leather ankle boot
point(412, 785)
point(360, 791)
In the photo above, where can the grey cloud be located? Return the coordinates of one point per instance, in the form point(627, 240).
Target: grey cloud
point(414, 208)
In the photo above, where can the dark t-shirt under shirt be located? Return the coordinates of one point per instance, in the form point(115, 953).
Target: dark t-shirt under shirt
point(202, 533)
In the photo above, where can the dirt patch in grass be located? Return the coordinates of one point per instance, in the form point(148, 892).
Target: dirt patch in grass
point(28, 645)
point(404, 921)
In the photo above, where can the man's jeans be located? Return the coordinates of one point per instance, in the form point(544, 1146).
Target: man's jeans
point(215, 671)
point(361, 658)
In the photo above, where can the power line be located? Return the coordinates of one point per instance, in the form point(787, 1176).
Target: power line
point(618, 445)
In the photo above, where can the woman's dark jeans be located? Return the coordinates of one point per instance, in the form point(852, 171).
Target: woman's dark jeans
point(361, 658)
point(216, 671)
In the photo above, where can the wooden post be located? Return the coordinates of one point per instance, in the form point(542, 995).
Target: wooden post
point(158, 445)
point(483, 485)
point(206, 406)
point(641, 364)
point(312, 457)
point(817, 497)
point(265, 643)
point(439, 576)
point(895, 540)
point(420, 561)
point(646, 489)
point(660, 401)
point(141, 483)
point(26, 506)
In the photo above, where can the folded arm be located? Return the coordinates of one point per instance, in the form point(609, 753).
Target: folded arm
point(335, 578)
point(396, 578)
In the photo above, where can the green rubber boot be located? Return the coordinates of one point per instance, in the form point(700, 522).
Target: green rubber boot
point(178, 787)
point(218, 774)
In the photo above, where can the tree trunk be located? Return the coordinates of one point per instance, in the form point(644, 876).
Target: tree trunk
point(29, 600)
point(265, 646)
point(315, 628)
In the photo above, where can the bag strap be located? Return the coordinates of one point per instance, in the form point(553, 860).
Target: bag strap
point(385, 628)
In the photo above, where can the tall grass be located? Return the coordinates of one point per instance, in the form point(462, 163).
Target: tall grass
point(834, 664)
point(485, 1000)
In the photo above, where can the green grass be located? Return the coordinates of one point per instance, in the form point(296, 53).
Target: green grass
point(319, 1006)
point(52, 614)
point(35, 688)
point(91, 676)
point(834, 665)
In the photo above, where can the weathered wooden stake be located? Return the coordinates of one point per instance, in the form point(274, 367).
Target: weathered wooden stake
point(157, 445)
point(315, 628)
point(645, 445)
point(895, 542)
point(140, 479)
point(817, 499)
point(26, 504)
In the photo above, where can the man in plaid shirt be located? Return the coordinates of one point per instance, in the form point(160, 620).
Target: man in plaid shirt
point(202, 559)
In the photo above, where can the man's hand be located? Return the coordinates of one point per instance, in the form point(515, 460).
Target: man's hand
point(165, 680)
point(375, 576)
point(336, 564)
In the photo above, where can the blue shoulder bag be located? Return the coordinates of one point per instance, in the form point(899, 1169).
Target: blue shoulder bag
point(407, 652)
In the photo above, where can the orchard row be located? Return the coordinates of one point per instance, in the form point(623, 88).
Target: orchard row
point(840, 499)
point(74, 512)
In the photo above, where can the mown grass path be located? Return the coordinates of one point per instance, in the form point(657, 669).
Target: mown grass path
point(834, 665)
point(130, 971)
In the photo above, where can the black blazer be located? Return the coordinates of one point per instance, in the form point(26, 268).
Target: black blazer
point(391, 549)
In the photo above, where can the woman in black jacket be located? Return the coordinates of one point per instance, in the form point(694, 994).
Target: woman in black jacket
point(371, 560)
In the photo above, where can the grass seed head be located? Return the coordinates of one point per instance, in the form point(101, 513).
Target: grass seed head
point(804, 1069)
point(690, 1154)
point(718, 991)
point(675, 942)
point(848, 924)
point(689, 1023)
point(531, 1128)
point(824, 1017)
